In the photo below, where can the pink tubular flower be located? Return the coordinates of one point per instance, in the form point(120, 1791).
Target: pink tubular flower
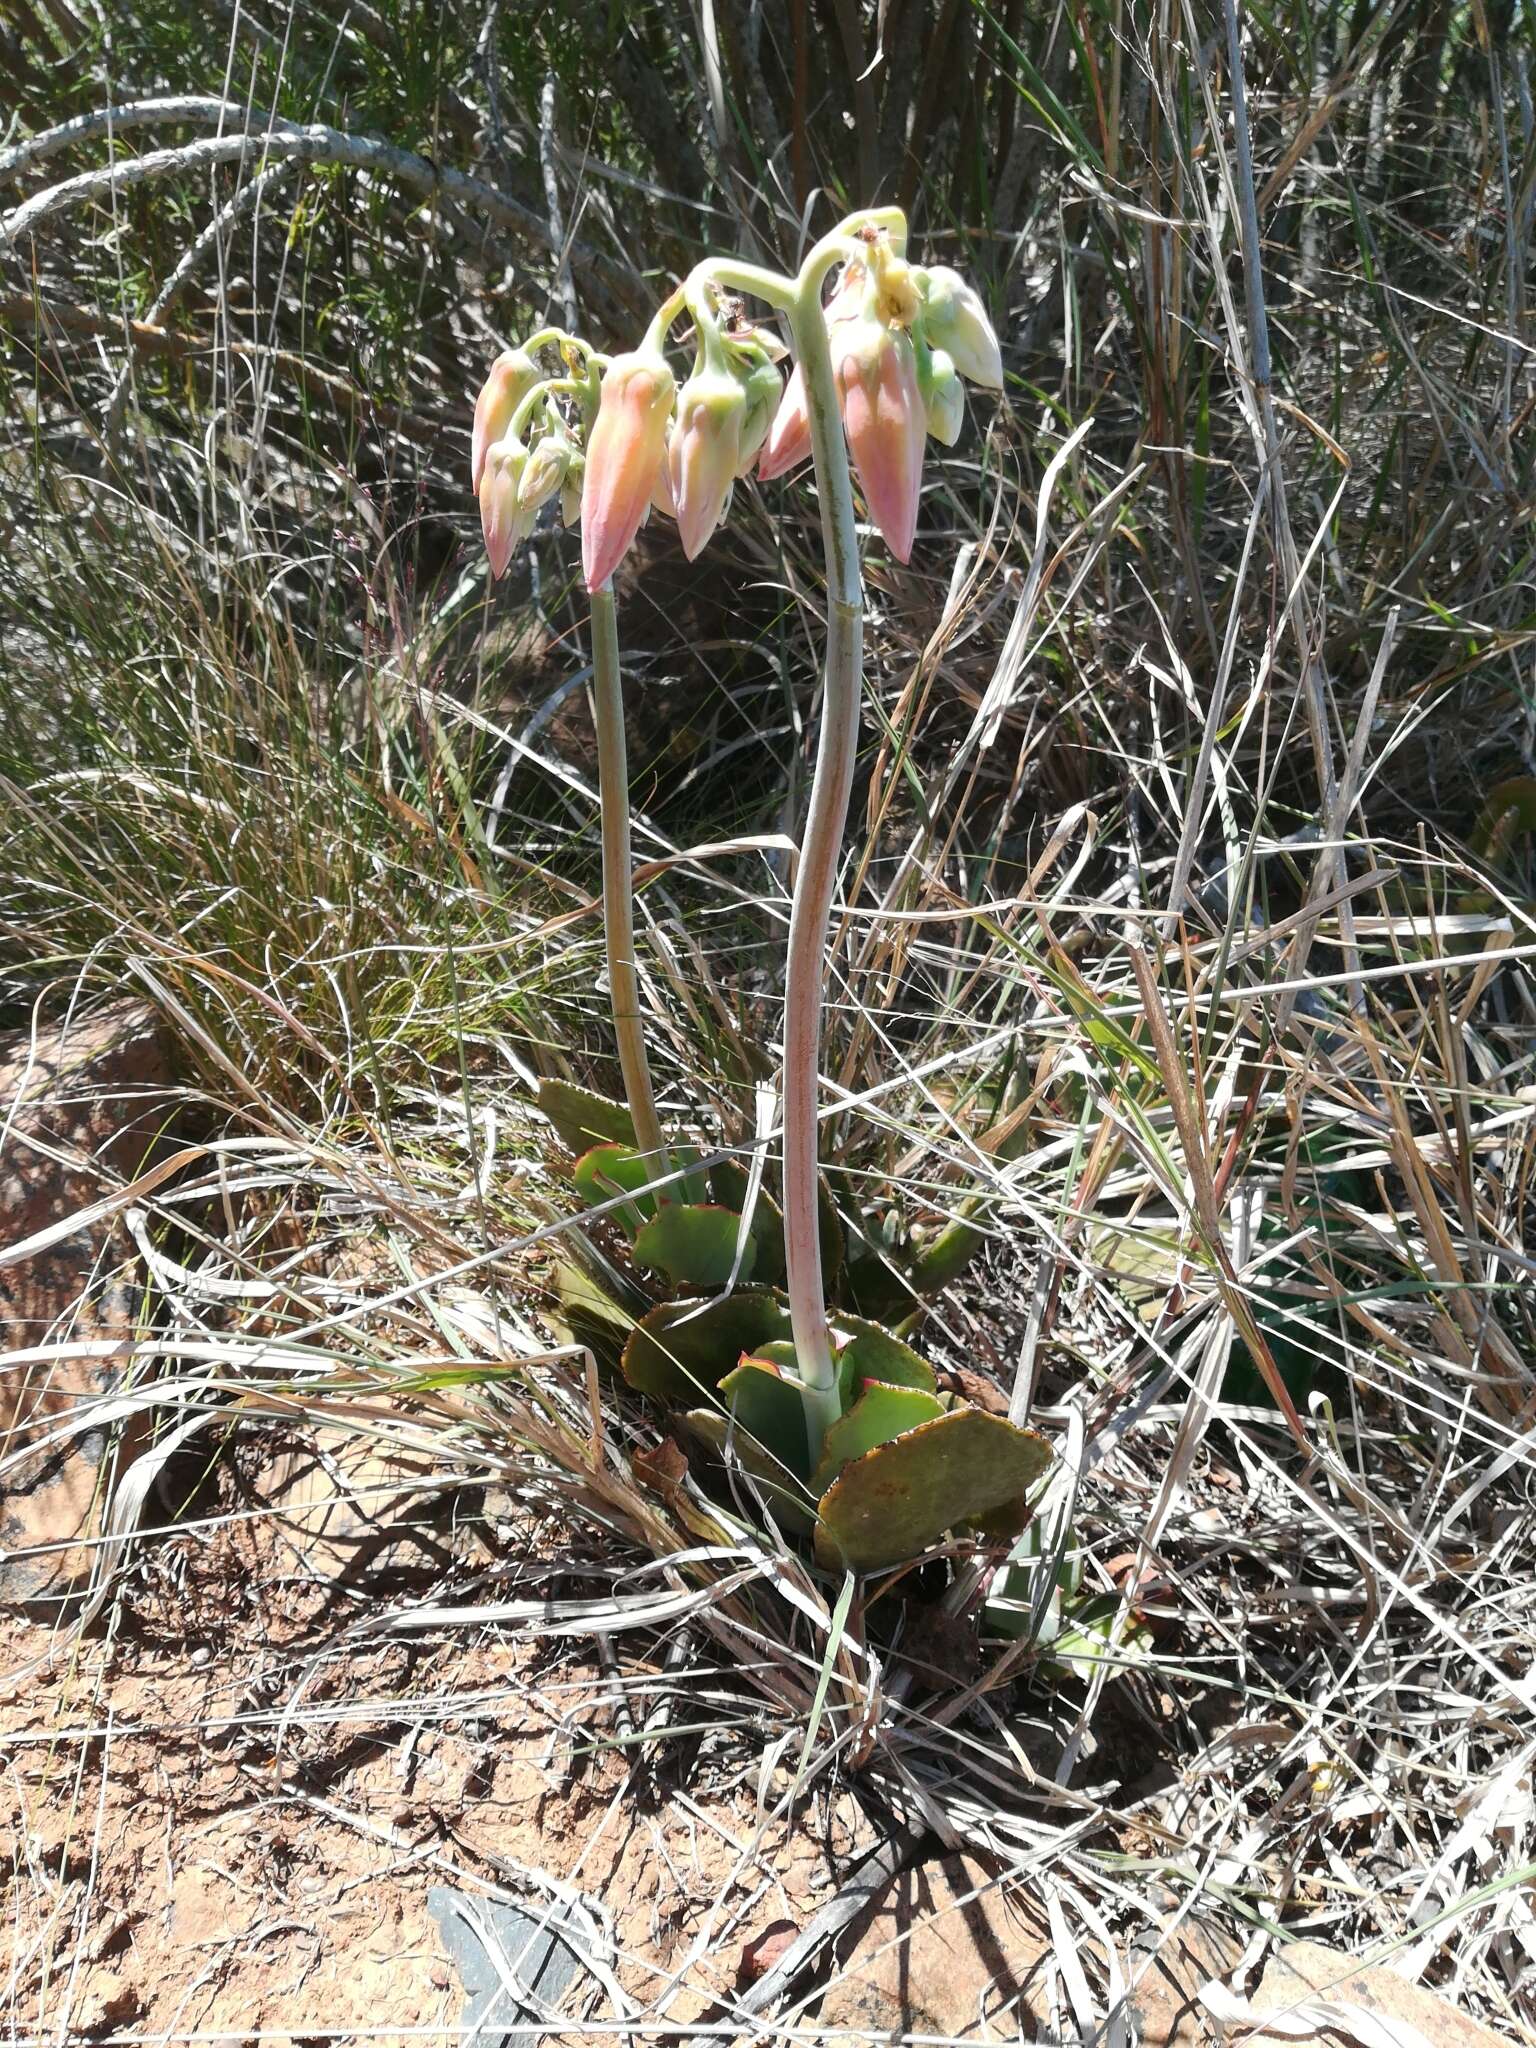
point(704, 452)
point(512, 376)
point(884, 419)
point(625, 455)
point(504, 522)
point(789, 438)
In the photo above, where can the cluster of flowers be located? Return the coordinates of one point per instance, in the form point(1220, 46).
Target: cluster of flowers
point(901, 339)
point(512, 480)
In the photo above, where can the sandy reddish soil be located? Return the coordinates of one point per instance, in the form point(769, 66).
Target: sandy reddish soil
point(222, 1813)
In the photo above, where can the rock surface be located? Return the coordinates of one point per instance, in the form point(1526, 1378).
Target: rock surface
point(349, 1510)
point(1309, 1974)
point(945, 1951)
point(1306, 1980)
point(516, 1964)
point(84, 1108)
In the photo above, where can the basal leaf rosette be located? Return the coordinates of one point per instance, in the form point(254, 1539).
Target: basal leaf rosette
point(902, 1466)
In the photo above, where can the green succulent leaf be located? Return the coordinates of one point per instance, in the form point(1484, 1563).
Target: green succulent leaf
point(899, 1498)
point(694, 1244)
point(768, 1406)
point(606, 1169)
point(875, 1288)
point(874, 1354)
point(1086, 1639)
point(780, 1353)
point(879, 1414)
point(583, 1119)
point(945, 1255)
point(784, 1492)
point(588, 1314)
point(728, 1186)
point(829, 1231)
point(685, 1348)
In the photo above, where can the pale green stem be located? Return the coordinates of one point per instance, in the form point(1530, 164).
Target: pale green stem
point(618, 893)
point(816, 874)
point(535, 396)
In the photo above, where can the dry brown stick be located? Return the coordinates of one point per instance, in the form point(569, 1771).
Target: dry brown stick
point(564, 283)
point(312, 143)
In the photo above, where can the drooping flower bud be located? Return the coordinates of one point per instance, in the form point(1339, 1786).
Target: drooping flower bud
point(955, 319)
point(883, 417)
point(512, 376)
point(504, 522)
point(763, 388)
point(570, 490)
point(705, 453)
point(789, 438)
point(943, 397)
point(626, 451)
point(544, 471)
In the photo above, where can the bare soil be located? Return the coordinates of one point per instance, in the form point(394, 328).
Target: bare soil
point(221, 1816)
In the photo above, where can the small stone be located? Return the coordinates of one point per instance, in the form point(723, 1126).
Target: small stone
point(349, 1509)
point(112, 1935)
point(976, 1387)
point(1309, 1972)
point(765, 1951)
point(1166, 1976)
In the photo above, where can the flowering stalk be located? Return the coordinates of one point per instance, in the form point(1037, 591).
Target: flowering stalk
point(816, 330)
point(881, 364)
point(816, 875)
point(618, 894)
point(513, 481)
